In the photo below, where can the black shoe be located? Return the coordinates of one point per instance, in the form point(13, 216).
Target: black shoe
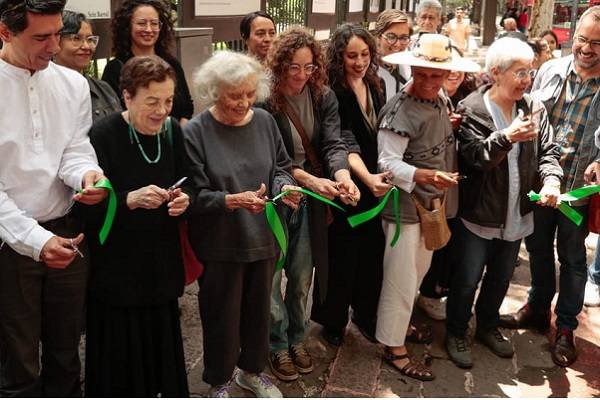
point(525, 318)
point(333, 336)
point(563, 350)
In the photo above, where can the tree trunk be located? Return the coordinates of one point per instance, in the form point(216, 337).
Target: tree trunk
point(476, 14)
point(541, 17)
point(489, 21)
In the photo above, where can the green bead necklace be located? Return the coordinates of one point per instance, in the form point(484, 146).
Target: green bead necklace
point(133, 135)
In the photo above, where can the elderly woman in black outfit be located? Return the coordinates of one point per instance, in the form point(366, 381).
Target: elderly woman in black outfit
point(144, 28)
point(77, 47)
point(355, 255)
point(237, 159)
point(306, 111)
point(134, 346)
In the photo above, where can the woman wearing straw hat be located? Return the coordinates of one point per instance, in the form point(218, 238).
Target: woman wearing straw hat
point(417, 146)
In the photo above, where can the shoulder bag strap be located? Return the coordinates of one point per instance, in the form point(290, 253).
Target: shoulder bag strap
point(309, 151)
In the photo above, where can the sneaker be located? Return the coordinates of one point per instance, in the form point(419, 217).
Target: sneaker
point(301, 358)
point(220, 391)
point(434, 308)
point(563, 350)
point(258, 384)
point(496, 342)
point(459, 350)
point(592, 294)
point(282, 366)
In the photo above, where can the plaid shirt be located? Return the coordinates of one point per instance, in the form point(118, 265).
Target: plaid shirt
point(568, 117)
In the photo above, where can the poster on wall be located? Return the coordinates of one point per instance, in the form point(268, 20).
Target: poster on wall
point(323, 6)
point(374, 8)
point(211, 8)
point(93, 9)
point(355, 6)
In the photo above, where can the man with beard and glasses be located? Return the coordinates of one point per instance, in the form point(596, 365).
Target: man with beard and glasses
point(569, 88)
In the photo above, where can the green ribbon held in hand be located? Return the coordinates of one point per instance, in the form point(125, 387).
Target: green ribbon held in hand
point(365, 216)
point(111, 209)
point(276, 225)
point(573, 195)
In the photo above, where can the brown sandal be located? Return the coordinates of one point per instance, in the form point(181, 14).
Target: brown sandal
point(414, 369)
point(420, 334)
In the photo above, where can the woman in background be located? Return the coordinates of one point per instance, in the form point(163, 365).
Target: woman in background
point(77, 47)
point(144, 28)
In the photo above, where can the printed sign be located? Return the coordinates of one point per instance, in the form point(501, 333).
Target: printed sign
point(209, 8)
point(93, 9)
point(323, 7)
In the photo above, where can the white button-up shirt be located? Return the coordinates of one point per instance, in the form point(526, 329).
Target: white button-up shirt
point(44, 150)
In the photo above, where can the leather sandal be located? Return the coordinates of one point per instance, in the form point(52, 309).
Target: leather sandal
point(419, 334)
point(414, 369)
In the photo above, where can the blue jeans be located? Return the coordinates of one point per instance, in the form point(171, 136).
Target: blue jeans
point(473, 254)
point(570, 245)
point(288, 317)
point(594, 269)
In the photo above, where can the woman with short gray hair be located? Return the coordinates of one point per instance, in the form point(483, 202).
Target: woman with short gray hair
point(237, 163)
point(505, 150)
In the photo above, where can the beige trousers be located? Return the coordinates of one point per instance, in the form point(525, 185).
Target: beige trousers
point(404, 267)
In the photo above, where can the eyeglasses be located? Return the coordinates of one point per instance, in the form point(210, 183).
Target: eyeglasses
point(78, 40)
point(524, 74)
point(594, 44)
point(392, 38)
point(294, 69)
point(142, 24)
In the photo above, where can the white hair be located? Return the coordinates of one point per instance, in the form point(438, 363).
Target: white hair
point(228, 69)
point(505, 51)
point(429, 5)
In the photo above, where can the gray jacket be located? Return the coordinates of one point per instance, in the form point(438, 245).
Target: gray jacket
point(547, 88)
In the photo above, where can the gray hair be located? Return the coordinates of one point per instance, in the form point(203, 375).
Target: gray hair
point(429, 5)
point(593, 11)
point(505, 51)
point(228, 69)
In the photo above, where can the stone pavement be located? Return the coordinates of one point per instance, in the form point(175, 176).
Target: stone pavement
point(356, 370)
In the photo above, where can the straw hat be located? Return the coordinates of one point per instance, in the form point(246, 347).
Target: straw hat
point(433, 51)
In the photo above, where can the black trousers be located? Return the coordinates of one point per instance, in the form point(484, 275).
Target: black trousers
point(442, 266)
point(355, 275)
point(235, 299)
point(44, 304)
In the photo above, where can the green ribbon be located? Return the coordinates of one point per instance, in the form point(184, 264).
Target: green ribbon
point(111, 209)
point(276, 225)
point(573, 195)
point(365, 216)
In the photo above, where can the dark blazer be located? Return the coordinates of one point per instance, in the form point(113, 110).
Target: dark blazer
point(482, 152)
point(360, 138)
point(333, 156)
point(104, 99)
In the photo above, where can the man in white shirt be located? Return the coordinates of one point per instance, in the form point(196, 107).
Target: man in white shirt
point(459, 30)
point(46, 157)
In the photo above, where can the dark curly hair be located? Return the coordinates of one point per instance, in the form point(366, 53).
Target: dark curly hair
point(335, 55)
point(121, 28)
point(281, 55)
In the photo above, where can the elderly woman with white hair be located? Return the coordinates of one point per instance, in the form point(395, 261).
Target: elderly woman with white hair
point(505, 150)
point(238, 161)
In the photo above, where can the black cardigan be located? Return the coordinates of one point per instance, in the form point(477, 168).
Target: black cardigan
point(333, 156)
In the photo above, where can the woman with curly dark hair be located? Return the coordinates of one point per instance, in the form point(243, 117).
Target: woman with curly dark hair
point(306, 112)
point(145, 28)
point(355, 255)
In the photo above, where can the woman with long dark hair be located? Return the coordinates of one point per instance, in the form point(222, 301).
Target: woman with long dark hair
point(355, 255)
point(145, 28)
point(306, 112)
